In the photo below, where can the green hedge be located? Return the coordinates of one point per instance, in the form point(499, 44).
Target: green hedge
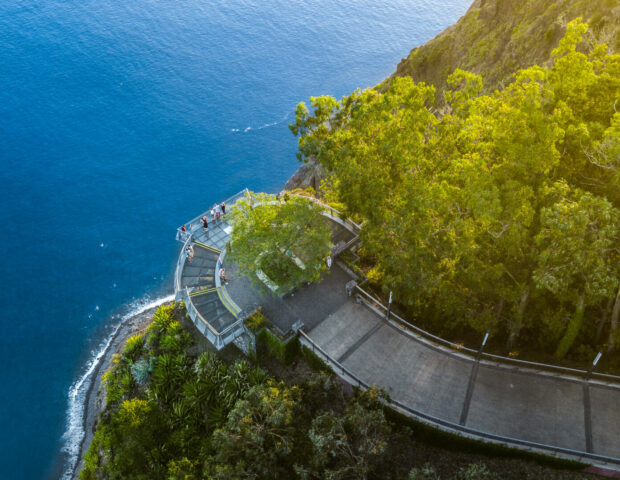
point(256, 321)
point(269, 344)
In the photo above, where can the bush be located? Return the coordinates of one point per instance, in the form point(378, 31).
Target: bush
point(133, 347)
point(140, 371)
point(256, 321)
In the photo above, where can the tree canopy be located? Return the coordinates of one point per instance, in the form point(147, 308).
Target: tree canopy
point(501, 213)
point(286, 240)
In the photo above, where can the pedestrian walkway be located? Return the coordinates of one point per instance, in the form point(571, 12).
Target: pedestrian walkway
point(519, 403)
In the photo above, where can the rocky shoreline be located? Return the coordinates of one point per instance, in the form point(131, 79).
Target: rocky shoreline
point(95, 396)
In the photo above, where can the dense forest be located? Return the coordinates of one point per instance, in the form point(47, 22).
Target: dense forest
point(175, 413)
point(502, 213)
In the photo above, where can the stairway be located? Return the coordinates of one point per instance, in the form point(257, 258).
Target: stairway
point(199, 275)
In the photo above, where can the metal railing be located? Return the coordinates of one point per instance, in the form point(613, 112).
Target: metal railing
point(195, 223)
point(218, 339)
point(454, 427)
point(408, 328)
point(178, 274)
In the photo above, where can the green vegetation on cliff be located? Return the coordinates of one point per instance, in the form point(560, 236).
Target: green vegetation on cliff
point(495, 38)
point(502, 214)
point(175, 413)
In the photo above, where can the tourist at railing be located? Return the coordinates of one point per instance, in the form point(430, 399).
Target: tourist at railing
point(189, 252)
point(183, 233)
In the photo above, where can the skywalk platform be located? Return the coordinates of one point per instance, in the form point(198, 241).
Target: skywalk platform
point(215, 308)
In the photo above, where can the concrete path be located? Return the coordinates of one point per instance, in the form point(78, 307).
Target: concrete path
point(522, 404)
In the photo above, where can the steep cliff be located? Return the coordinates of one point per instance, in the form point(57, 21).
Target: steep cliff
point(495, 38)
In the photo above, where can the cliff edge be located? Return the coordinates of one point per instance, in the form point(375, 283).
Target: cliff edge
point(495, 38)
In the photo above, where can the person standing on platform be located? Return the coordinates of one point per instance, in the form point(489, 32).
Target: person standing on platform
point(205, 224)
point(189, 251)
point(223, 206)
point(218, 211)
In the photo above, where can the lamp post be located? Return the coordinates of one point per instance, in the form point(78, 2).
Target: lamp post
point(484, 342)
point(387, 315)
point(593, 366)
point(472, 381)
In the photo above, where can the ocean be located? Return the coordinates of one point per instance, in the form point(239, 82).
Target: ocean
point(118, 122)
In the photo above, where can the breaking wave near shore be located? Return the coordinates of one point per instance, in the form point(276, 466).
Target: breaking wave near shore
point(78, 392)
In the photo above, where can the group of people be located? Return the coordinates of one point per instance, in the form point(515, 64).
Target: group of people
point(217, 212)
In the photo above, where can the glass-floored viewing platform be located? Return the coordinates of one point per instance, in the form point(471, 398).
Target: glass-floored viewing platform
point(218, 310)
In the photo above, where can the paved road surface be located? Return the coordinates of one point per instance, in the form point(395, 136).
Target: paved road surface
point(515, 403)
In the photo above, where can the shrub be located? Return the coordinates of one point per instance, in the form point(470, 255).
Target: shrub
point(256, 321)
point(133, 347)
point(140, 371)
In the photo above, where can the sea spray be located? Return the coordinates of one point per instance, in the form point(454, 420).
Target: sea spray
point(77, 396)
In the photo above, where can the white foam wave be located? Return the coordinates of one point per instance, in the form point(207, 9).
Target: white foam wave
point(73, 436)
point(266, 125)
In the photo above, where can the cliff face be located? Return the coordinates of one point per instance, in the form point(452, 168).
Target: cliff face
point(307, 175)
point(495, 38)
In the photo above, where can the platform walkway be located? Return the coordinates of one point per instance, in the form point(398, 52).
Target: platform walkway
point(519, 403)
point(215, 307)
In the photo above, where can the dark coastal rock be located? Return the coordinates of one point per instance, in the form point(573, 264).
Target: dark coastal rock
point(309, 174)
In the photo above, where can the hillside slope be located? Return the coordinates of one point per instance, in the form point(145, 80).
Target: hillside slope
point(495, 38)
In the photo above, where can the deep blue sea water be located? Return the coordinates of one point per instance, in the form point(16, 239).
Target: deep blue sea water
point(118, 122)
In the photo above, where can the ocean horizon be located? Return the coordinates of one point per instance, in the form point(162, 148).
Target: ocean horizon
point(119, 122)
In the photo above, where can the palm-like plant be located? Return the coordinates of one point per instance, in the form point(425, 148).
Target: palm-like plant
point(181, 414)
point(140, 371)
point(168, 374)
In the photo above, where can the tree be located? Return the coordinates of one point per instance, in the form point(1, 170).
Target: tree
point(279, 243)
point(453, 202)
point(135, 435)
point(347, 446)
point(257, 436)
point(578, 256)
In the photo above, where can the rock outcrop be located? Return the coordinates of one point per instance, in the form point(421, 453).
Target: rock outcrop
point(309, 174)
